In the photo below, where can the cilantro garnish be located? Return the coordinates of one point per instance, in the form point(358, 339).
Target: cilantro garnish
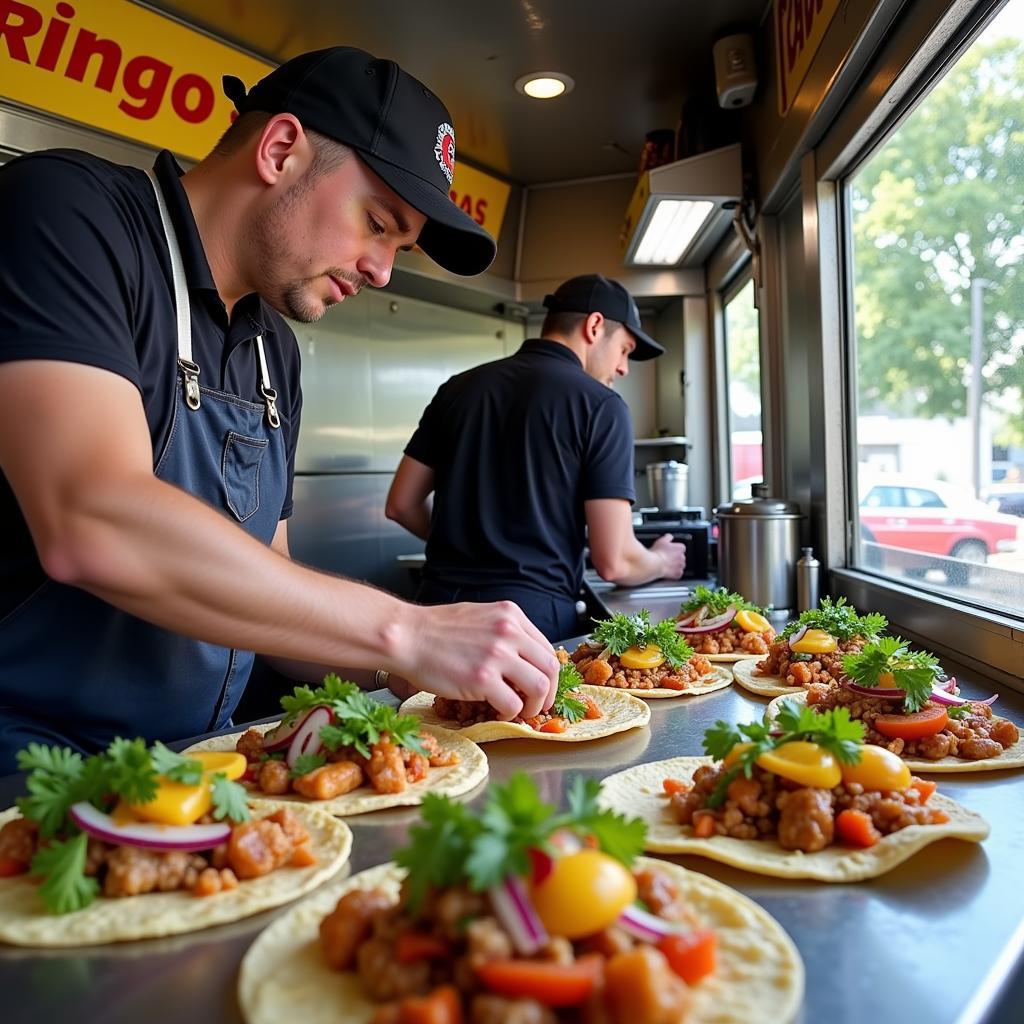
point(130, 770)
point(834, 730)
point(839, 620)
point(566, 705)
point(960, 710)
point(450, 846)
point(306, 763)
point(52, 785)
point(303, 697)
point(621, 632)
point(176, 767)
point(62, 866)
point(716, 601)
point(914, 672)
point(229, 799)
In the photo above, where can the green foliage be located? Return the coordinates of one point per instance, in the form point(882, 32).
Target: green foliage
point(621, 632)
point(61, 865)
point(130, 770)
point(716, 601)
point(839, 620)
point(175, 766)
point(914, 672)
point(306, 763)
point(229, 799)
point(304, 698)
point(54, 773)
point(567, 703)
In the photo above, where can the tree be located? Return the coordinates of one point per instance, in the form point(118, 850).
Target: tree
point(942, 202)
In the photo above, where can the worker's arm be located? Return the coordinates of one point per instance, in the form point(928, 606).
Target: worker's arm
point(616, 553)
point(75, 449)
point(408, 502)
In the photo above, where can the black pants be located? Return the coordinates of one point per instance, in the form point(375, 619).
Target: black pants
point(555, 617)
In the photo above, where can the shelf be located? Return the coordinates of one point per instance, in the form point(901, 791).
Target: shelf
point(660, 442)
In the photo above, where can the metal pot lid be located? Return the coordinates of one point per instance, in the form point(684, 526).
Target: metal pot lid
point(760, 505)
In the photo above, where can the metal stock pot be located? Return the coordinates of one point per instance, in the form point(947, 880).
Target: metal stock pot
point(758, 545)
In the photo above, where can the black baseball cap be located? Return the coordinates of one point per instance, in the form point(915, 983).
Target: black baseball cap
point(594, 293)
point(394, 122)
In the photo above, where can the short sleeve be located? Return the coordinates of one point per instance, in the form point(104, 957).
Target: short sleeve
point(425, 444)
point(608, 462)
point(294, 417)
point(68, 268)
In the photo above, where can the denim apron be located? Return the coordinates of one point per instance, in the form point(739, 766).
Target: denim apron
point(76, 671)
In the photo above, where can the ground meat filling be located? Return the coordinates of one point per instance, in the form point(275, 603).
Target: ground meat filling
point(368, 928)
point(799, 817)
point(978, 734)
point(730, 640)
point(388, 769)
point(823, 668)
point(255, 848)
point(597, 671)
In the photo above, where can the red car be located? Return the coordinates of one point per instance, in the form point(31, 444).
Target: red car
point(936, 518)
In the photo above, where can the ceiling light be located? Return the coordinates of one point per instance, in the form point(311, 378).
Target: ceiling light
point(544, 85)
point(682, 208)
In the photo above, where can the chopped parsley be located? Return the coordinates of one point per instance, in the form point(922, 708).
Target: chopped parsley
point(176, 767)
point(716, 602)
point(913, 672)
point(568, 704)
point(451, 846)
point(960, 711)
point(834, 730)
point(839, 620)
point(306, 763)
point(61, 865)
point(621, 632)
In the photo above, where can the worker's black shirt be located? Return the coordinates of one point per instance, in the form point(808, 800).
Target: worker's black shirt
point(517, 446)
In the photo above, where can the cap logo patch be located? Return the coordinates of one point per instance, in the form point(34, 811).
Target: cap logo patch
point(444, 150)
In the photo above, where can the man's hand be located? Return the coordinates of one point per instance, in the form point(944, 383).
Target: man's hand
point(488, 652)
point(672, 554)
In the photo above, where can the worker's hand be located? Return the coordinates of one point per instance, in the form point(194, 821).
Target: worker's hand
point(488, 652)
point(672, 554)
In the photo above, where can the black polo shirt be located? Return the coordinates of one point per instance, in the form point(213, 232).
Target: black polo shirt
point(517, 446)
point(85, 277)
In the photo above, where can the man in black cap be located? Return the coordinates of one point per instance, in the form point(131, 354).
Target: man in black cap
point(522, 454)
point(151, 408)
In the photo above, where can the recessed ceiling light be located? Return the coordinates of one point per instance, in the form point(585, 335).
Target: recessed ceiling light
point(544, 85)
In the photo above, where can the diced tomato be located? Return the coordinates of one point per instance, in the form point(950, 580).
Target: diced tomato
point(593, 711)
point(673, 786)
point(939, 817)
point(555, 724)
point(913, 726)
point(923, 787)
point(442, 1006)
point(413, 946)
point(856, 828)
point(549, 983)
point(303, 856)
point(704, 826)
point(10, 866)
point(691, 954)
point(673, 683)
point(541, 863)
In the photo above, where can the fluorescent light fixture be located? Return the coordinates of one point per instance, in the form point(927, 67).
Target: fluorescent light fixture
point(681, 208)
point(544, 85)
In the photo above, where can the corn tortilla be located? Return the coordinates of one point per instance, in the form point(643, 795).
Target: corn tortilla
point(25, 922)
point(763, 686)
point(638, 792)
point(759, 974)
point(1011, 757)
point(452, 781)
point(620, 711)
point(717, 679)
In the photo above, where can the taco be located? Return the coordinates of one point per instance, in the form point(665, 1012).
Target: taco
point(724, 626)
point(626, 652)
point(119, 845)
point(519, 913)
point(347, 753)
point(909, 706)
point(810, 650)
point(806, 799)
point(579, 713)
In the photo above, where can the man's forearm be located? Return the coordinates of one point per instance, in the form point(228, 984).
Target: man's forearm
point(416, 520)
point(637, 565)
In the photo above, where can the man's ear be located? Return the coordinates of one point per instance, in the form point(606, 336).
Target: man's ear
point(593, 327)
point(283, 151)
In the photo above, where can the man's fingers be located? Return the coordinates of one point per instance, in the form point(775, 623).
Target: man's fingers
point(505, 701)
point(532, 684)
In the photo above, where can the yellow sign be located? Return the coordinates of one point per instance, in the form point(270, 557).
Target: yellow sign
point(121, 68)
point(484, 198)
point(799, 29)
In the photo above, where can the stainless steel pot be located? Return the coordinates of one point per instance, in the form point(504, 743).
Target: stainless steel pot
point(668, 483)
point(758, 546)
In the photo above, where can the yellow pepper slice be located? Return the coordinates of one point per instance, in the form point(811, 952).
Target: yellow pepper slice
point(815, 641)
point(230, 762)
point(878, 769)
point(803, 762)
point(639, 658)
point(752, 622)
point(175, 803)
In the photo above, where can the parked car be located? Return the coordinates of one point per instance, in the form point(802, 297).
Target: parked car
point(1007, 498)
point(935, 518)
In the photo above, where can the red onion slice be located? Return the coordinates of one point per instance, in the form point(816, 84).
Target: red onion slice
point(687, 619)
point(797, 636)
point(646, 926)
point(940, 696)
point(949, 685)
point(711, 625)
point(281, 737)
point(148, 835)
point(876, 691)
point(513, 908)
point(307, 737)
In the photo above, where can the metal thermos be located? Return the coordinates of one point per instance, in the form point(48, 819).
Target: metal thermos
point(808, 581)
point(758, 541)
point(668, 482)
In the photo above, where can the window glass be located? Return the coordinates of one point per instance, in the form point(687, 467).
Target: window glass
point(935, 219)
point(743, 379)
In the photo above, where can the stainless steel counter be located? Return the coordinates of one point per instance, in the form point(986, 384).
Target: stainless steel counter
point(932, 941)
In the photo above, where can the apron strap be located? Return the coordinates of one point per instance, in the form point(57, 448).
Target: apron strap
point(269, 394)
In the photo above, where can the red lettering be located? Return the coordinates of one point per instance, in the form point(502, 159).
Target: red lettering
point(15, 32)
point(481, 210)
point(794, 35)
point(204, 102)
point(145, 79)
point(453, 196)
point(466, 204)
point(87, 46)
point(53, 41)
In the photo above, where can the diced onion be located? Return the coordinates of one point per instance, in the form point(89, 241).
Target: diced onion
point(513, 908)
point(940, 696)
point(647, 927)
point(711, 625)
point(148, 835)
